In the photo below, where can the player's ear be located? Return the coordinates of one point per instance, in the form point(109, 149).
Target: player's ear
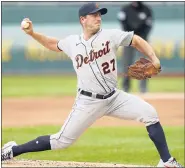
point(82, 18)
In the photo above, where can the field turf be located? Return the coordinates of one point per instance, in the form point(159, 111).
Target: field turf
point(16, 86)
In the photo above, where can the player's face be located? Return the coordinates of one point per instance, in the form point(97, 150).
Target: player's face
point(92, 22)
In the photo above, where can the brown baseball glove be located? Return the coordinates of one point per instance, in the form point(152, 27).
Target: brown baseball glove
point(142, 69)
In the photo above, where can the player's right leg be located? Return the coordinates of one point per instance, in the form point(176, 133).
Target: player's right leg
point(85, 111)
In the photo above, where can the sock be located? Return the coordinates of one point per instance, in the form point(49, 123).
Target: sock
point(41, 143)
point(156, 134)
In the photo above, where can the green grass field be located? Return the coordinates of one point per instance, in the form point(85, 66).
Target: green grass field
point(127, 145)
point(66, 85)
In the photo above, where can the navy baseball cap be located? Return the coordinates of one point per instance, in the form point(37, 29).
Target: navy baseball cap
point(90, 8)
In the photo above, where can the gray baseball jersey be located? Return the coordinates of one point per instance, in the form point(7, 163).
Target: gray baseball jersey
point(94, 61)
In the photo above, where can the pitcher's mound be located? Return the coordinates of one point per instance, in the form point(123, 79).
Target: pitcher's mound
point(45, 163)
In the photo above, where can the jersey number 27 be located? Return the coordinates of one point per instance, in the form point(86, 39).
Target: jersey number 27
point(108, 67)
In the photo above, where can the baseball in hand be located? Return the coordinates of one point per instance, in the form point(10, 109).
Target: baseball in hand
point(24, 24)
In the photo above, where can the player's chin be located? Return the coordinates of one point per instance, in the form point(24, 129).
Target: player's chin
point(98, 25)
point(97, 28)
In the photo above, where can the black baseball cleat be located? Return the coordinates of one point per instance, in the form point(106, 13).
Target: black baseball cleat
point(6, 152)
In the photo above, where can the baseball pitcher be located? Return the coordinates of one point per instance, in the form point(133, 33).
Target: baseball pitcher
point(93, 54)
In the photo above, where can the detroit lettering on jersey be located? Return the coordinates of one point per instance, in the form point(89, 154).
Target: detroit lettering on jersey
point(94, 60)
point(92, 55)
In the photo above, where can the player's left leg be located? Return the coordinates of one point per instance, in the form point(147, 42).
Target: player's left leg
point(129, 107)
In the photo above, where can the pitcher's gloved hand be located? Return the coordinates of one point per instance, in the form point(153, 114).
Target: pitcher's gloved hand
point(142, 69)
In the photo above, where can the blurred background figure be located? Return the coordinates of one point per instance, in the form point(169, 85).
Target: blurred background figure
point(136, 17)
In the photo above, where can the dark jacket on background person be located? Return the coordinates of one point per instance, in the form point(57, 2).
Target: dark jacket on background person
point(136, 17)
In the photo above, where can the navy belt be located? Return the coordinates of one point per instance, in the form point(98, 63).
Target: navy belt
point(98, 96)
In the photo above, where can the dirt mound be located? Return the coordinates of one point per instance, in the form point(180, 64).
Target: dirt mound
point(45, 163)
